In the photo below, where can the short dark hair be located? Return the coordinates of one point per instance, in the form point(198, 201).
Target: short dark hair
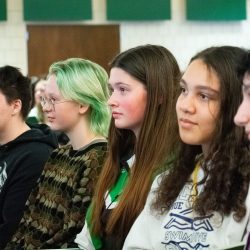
point(14, 85)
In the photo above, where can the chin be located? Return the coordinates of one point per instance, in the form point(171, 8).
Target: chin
point(54, 127)
point(120, 126)
point(189, 140)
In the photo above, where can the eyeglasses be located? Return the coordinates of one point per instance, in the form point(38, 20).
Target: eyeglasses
point(50, 102)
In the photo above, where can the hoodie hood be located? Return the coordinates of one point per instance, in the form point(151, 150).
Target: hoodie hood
point(38, 133)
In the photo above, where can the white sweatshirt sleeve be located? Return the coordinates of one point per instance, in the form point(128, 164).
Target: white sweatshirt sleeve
point(152, 231)
point(247, 233)
point(83, 239)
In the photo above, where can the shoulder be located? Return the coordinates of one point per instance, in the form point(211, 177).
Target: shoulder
point(153, 191)
point(158, 179)
point(95, 150)
point(97, 146)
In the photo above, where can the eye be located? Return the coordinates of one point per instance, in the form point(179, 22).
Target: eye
point(122, 89)
point(204, 97)
point(183, 90)
point(246, 90)
point(52, 100)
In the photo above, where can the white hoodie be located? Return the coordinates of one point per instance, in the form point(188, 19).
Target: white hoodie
point(181, 228)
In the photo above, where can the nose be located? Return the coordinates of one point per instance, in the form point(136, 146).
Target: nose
point(186, 104)
point(241, 118)
point(112, 101)
point(47, 107)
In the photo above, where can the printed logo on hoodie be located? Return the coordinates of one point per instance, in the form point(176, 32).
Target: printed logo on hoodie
point(3, 174)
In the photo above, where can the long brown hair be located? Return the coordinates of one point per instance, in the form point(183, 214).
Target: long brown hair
point(157, 68)
point(227, 166)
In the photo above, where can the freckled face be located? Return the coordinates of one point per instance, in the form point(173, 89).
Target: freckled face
point(198, 104)
point(128, 100)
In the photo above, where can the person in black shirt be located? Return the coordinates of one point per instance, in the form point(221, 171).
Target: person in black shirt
point(24, 149)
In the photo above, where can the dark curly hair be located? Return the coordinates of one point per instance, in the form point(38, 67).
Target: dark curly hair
point(228, 162)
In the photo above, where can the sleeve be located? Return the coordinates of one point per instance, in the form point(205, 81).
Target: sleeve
point(19, 186)
point(246, 235)
point(144, 229)
point(83, 239)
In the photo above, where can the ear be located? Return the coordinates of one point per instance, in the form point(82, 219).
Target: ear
point(83, 108)
point(16, 106)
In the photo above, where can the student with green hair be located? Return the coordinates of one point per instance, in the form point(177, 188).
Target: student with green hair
point(75, 102)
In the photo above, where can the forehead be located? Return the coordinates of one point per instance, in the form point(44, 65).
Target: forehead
point(198, 74)
point(119, 76)
point(51, 86)
point(41, 84)
point(2, 96)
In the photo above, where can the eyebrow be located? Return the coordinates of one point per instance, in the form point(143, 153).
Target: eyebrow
point(202, 87)
point(117, 84)
point(52, 95)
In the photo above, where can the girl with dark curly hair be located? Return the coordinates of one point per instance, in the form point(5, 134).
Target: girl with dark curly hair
point(203, 201)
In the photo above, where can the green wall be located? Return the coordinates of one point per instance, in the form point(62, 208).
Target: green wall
point(138, 10)
point(216, 10)
point(57, 10)
point(3, 10)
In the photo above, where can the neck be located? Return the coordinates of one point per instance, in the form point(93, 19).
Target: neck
point(81, 135)
point(12, 131)
point(205, 149)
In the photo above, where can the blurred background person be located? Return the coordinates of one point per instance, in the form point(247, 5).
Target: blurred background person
point(36, 115)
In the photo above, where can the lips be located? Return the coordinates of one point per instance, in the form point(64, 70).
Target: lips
point(116, 114)
point(50, 119)
point(186, 123)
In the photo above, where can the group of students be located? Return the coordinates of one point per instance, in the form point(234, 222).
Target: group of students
point(169, 170)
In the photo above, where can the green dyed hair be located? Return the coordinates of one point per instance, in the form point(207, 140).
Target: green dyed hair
point(85, 82)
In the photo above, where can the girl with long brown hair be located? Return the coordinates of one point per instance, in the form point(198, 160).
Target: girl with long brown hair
point(142, 138)
point(203, 201)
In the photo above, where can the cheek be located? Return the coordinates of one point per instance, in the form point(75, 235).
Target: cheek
point(246, 108)
point(133, 112)
point(213, 114)
point(133, 104)
point(207, 128)
point(177, 106)
point(137, 107)
point(65, 121)
point(137, 114)
point(65, 113)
